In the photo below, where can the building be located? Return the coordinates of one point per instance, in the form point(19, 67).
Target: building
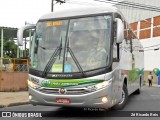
point(144, 18)
point(148, 32)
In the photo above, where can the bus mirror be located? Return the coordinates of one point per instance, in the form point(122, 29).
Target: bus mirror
point(120, 30)
point(21, 31)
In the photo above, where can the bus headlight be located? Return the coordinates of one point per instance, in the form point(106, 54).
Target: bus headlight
point(35, 80)
point(32, 84)
point(100, 85)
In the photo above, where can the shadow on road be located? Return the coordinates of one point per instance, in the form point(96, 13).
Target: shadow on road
point(81, 112)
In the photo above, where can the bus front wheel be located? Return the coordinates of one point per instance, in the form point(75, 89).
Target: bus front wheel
point(120, 105)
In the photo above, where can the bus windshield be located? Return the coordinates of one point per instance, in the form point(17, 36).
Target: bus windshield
point(72, 45)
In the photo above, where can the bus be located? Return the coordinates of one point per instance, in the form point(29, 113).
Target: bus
point(86, 57)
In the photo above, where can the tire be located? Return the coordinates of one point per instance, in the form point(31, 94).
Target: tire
point(138, 91)
point(122, 103)
point(140, 82)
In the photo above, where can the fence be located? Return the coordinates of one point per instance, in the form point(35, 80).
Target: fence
point(14, 64)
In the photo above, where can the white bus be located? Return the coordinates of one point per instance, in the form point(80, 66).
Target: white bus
point(83, 58)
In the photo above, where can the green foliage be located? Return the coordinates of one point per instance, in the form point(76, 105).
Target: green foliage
point(134, 75)
point(156, 71)
point(9, 49)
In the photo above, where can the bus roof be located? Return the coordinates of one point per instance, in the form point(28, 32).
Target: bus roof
point(79, 12)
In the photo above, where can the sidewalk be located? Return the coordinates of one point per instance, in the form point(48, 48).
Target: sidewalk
point(19, 98)
point(13, 98)
point(153, 85)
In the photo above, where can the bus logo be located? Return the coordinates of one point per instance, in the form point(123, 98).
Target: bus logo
point(62, 90)
point(46, 83)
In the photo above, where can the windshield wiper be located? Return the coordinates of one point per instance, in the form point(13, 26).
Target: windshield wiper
point(52, 59)
point(74, 58)
point(67, 49)
point(60, 47)
point(58, 52)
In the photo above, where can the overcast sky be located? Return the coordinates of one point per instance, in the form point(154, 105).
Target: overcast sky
point(14, 13)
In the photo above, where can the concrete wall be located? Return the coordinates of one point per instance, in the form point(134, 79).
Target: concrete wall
point(13, 81)
point(151, 56)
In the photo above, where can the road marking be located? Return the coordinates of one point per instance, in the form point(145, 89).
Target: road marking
point(156, 95)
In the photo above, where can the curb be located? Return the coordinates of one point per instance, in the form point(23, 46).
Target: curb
point(14, 104)
point(2, 106)
point(157, 86)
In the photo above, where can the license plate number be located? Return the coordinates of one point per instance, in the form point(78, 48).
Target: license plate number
point(63, 100)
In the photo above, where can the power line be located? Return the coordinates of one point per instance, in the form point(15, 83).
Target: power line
point(152, 46)
point(93, 3)
point(122, 3)
point(109, 1)
point(137, 4)
point(81, 3)
point(132, 4)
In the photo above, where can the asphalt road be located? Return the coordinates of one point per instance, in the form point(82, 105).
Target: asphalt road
point(145, 103)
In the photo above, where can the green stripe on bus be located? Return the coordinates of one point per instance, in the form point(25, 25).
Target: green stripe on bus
point(68, 83)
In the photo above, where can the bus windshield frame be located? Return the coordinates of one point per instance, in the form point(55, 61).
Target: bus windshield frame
point(82, 44)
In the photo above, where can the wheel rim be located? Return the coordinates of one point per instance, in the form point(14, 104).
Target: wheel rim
point(123, 97)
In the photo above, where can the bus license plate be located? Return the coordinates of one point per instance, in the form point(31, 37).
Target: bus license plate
point(63, 100)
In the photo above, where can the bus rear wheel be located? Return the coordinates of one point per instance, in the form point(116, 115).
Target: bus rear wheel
point(120, 105)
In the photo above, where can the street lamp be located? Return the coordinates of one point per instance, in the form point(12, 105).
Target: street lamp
point(57, 1)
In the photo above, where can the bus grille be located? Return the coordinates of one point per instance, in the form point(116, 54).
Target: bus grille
point(70, 91)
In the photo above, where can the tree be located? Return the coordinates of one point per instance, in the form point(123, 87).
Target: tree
point(9, 49)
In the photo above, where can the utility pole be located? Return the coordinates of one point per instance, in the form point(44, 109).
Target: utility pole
point(2, 43)
point(52, 5)
point(25, 43)
point(57, 1)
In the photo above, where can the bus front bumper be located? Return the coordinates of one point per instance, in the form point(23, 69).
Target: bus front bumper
point(93, 99)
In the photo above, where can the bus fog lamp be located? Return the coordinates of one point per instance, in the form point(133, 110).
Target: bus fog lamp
point(30, 97)
point(104, 100)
